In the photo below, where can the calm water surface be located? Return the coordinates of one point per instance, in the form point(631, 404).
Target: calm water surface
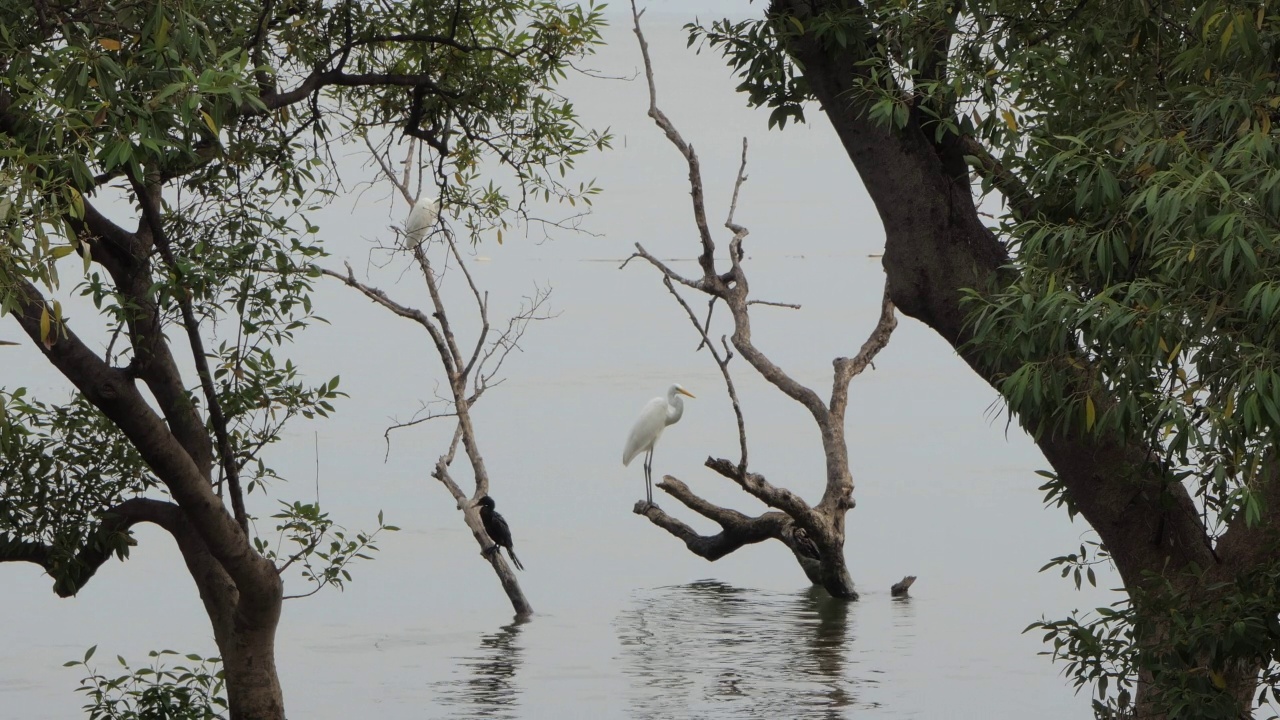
point(628, 624)
point(708, 649)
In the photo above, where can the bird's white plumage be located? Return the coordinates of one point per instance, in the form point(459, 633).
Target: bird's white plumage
point(648, 428)
point(656, 415)
point(421, 218)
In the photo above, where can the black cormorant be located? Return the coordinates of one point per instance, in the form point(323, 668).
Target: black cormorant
point(496, 526)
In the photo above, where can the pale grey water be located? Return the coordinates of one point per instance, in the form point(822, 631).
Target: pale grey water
point(629, 624)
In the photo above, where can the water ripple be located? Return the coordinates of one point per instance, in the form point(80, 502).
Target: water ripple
point(711, 650)
point(487, 688)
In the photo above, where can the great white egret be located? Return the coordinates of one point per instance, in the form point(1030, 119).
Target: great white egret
point(421, 218)
point(657, 414)
point(496, 526)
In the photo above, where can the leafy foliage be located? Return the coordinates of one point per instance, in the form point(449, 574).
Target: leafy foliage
point(322, 549)
point(1133, 143)
point(61, 469)
point(109, 95)
point(178, 151)
point(160, 690)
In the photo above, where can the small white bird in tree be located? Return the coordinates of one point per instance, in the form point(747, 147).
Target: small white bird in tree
point(422, 217)
point(657, 414)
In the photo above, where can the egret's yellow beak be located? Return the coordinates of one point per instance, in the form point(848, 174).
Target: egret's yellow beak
point(682, 391)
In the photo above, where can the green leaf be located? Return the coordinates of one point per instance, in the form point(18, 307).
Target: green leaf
point(209, 122)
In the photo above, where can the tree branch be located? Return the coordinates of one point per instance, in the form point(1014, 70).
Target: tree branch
point(403, 311)
point(722, 362)
point(1015, 192)
point(70, 574)
point(115, 394)
point(845, 368)
point(738, 529)
point(471, 516)
point(148, 194)
point(775, 497)
point(706, 259)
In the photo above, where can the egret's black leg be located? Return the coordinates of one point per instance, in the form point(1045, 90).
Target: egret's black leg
point(648, 475)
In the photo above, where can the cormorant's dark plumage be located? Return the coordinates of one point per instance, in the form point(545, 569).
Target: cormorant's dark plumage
point(496, 526)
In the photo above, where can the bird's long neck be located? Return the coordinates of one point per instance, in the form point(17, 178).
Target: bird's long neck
point(675, 408)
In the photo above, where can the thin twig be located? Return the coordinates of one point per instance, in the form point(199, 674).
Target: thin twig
point(706, 259)
point(722, 361)
point(770, 303)
point(402, 186)
point(739, 232)
point(846, 368)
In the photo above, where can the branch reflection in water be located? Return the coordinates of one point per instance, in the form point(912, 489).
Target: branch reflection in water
point(488, 687)
point(711, 650)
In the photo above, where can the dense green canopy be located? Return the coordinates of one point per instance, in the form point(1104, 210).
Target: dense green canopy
point(1126, 154)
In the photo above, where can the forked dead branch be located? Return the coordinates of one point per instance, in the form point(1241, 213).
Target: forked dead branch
point(469, 374)
point(814, 533)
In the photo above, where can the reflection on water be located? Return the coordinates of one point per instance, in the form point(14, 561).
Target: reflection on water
point(708, 649)
point(904, 624)
point(487, 688)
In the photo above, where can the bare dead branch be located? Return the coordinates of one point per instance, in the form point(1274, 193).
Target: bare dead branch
point(846, 368)
point(476, 369)
point(695, 167)
point(814, 534)
point(770, 303)
point(472, 518)
point(734, 293)
point(403, 311)
point(737, 185)
point(739, 232)
point(491, 363)
point(775, 497)
point(722, 362)
point(706, 325)
point(482, 304)
point(901, 587)
point(738, 529)
point(699, 285)
point(770, 370)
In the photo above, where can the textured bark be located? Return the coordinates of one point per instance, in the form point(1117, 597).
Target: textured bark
point(936, 245)
point(241, 589)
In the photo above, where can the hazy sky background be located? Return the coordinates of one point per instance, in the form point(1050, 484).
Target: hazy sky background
point(945, 490)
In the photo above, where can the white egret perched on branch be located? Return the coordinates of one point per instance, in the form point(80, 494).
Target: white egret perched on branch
point(657, 414)
point(421, 218)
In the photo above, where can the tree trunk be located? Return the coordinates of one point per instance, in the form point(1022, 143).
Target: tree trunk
point(833, 573)
point(936, 245)
point(244, 618)
point(249, 664)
